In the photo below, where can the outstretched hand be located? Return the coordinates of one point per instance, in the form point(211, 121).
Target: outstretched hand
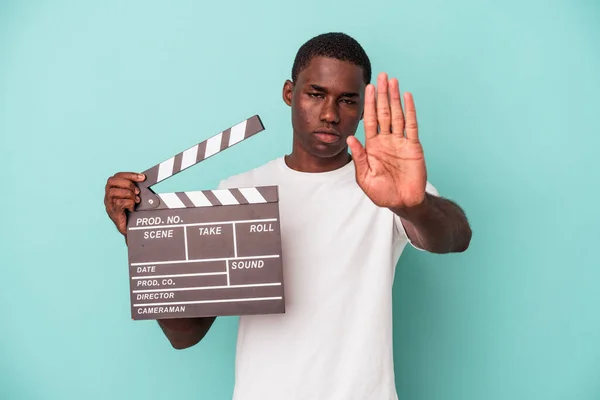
point(390, 168)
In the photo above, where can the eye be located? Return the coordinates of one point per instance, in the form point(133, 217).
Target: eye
point(316, 95)
point(347, 101)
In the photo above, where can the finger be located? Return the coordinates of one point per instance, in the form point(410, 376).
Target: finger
point(383, 104)
point(370, 115)
point(125, 204)
point(116, 193)
point(396, 107)
point(121, 224)
point(359, 156)
point(132, 176)
point(412, 129)
point(122, 183)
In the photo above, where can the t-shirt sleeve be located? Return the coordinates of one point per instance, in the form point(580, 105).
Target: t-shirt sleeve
point(400, 230)
point(226, 184)
point(236, 181)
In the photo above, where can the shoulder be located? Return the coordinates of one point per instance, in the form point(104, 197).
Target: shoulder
point(253, 177)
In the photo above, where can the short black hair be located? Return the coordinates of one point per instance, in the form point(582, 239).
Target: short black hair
point(336, 45)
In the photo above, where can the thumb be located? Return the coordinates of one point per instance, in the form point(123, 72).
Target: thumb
point(121, 224)
point(359, 155)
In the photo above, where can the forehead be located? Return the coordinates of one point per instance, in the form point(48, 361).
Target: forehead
point(332, 74)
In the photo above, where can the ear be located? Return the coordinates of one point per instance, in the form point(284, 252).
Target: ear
point(288, 91)
point(362, 102)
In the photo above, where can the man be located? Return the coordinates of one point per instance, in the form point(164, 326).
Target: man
point(345, 219)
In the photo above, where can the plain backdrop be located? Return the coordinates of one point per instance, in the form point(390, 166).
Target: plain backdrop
point(507, 101)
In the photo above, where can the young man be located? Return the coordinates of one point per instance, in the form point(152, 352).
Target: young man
point(345, 219)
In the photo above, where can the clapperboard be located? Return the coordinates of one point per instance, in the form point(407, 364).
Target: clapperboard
point(205, 252)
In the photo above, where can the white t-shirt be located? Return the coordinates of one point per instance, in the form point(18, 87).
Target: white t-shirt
point(339, 253)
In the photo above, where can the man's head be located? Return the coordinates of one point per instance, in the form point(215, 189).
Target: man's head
point(326, 93)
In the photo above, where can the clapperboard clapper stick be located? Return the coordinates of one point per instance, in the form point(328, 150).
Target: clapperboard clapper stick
point(206, 252)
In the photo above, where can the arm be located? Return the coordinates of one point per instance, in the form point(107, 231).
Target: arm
point(437, 225)
point(121, 194)
point(391, 170)
point(185, 332)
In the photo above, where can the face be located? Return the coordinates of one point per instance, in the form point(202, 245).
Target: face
point(327, 105)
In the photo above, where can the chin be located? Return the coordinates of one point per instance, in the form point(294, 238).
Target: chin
point(326, 151)
point(318, 149)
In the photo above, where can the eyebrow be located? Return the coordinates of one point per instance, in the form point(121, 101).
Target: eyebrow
point(322, 89)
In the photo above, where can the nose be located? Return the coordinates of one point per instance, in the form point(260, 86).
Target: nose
point(329, 112)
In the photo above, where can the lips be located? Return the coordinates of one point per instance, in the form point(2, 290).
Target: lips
point(327, 135)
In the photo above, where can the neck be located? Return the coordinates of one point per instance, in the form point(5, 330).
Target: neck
point(305, 162)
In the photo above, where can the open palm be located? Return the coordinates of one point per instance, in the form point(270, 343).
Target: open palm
point(390, 168)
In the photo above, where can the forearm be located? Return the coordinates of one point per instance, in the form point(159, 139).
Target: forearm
point(185, 332)
point(436, 225)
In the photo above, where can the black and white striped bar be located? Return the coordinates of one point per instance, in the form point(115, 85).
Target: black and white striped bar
point(218, 197)
point(203, 150)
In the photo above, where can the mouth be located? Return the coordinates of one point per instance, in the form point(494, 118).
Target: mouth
point(327, 135)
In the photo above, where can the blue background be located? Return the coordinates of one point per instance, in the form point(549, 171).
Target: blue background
point(507, 101)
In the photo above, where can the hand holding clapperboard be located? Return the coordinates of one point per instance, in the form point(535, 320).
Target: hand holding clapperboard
point(208, 252)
